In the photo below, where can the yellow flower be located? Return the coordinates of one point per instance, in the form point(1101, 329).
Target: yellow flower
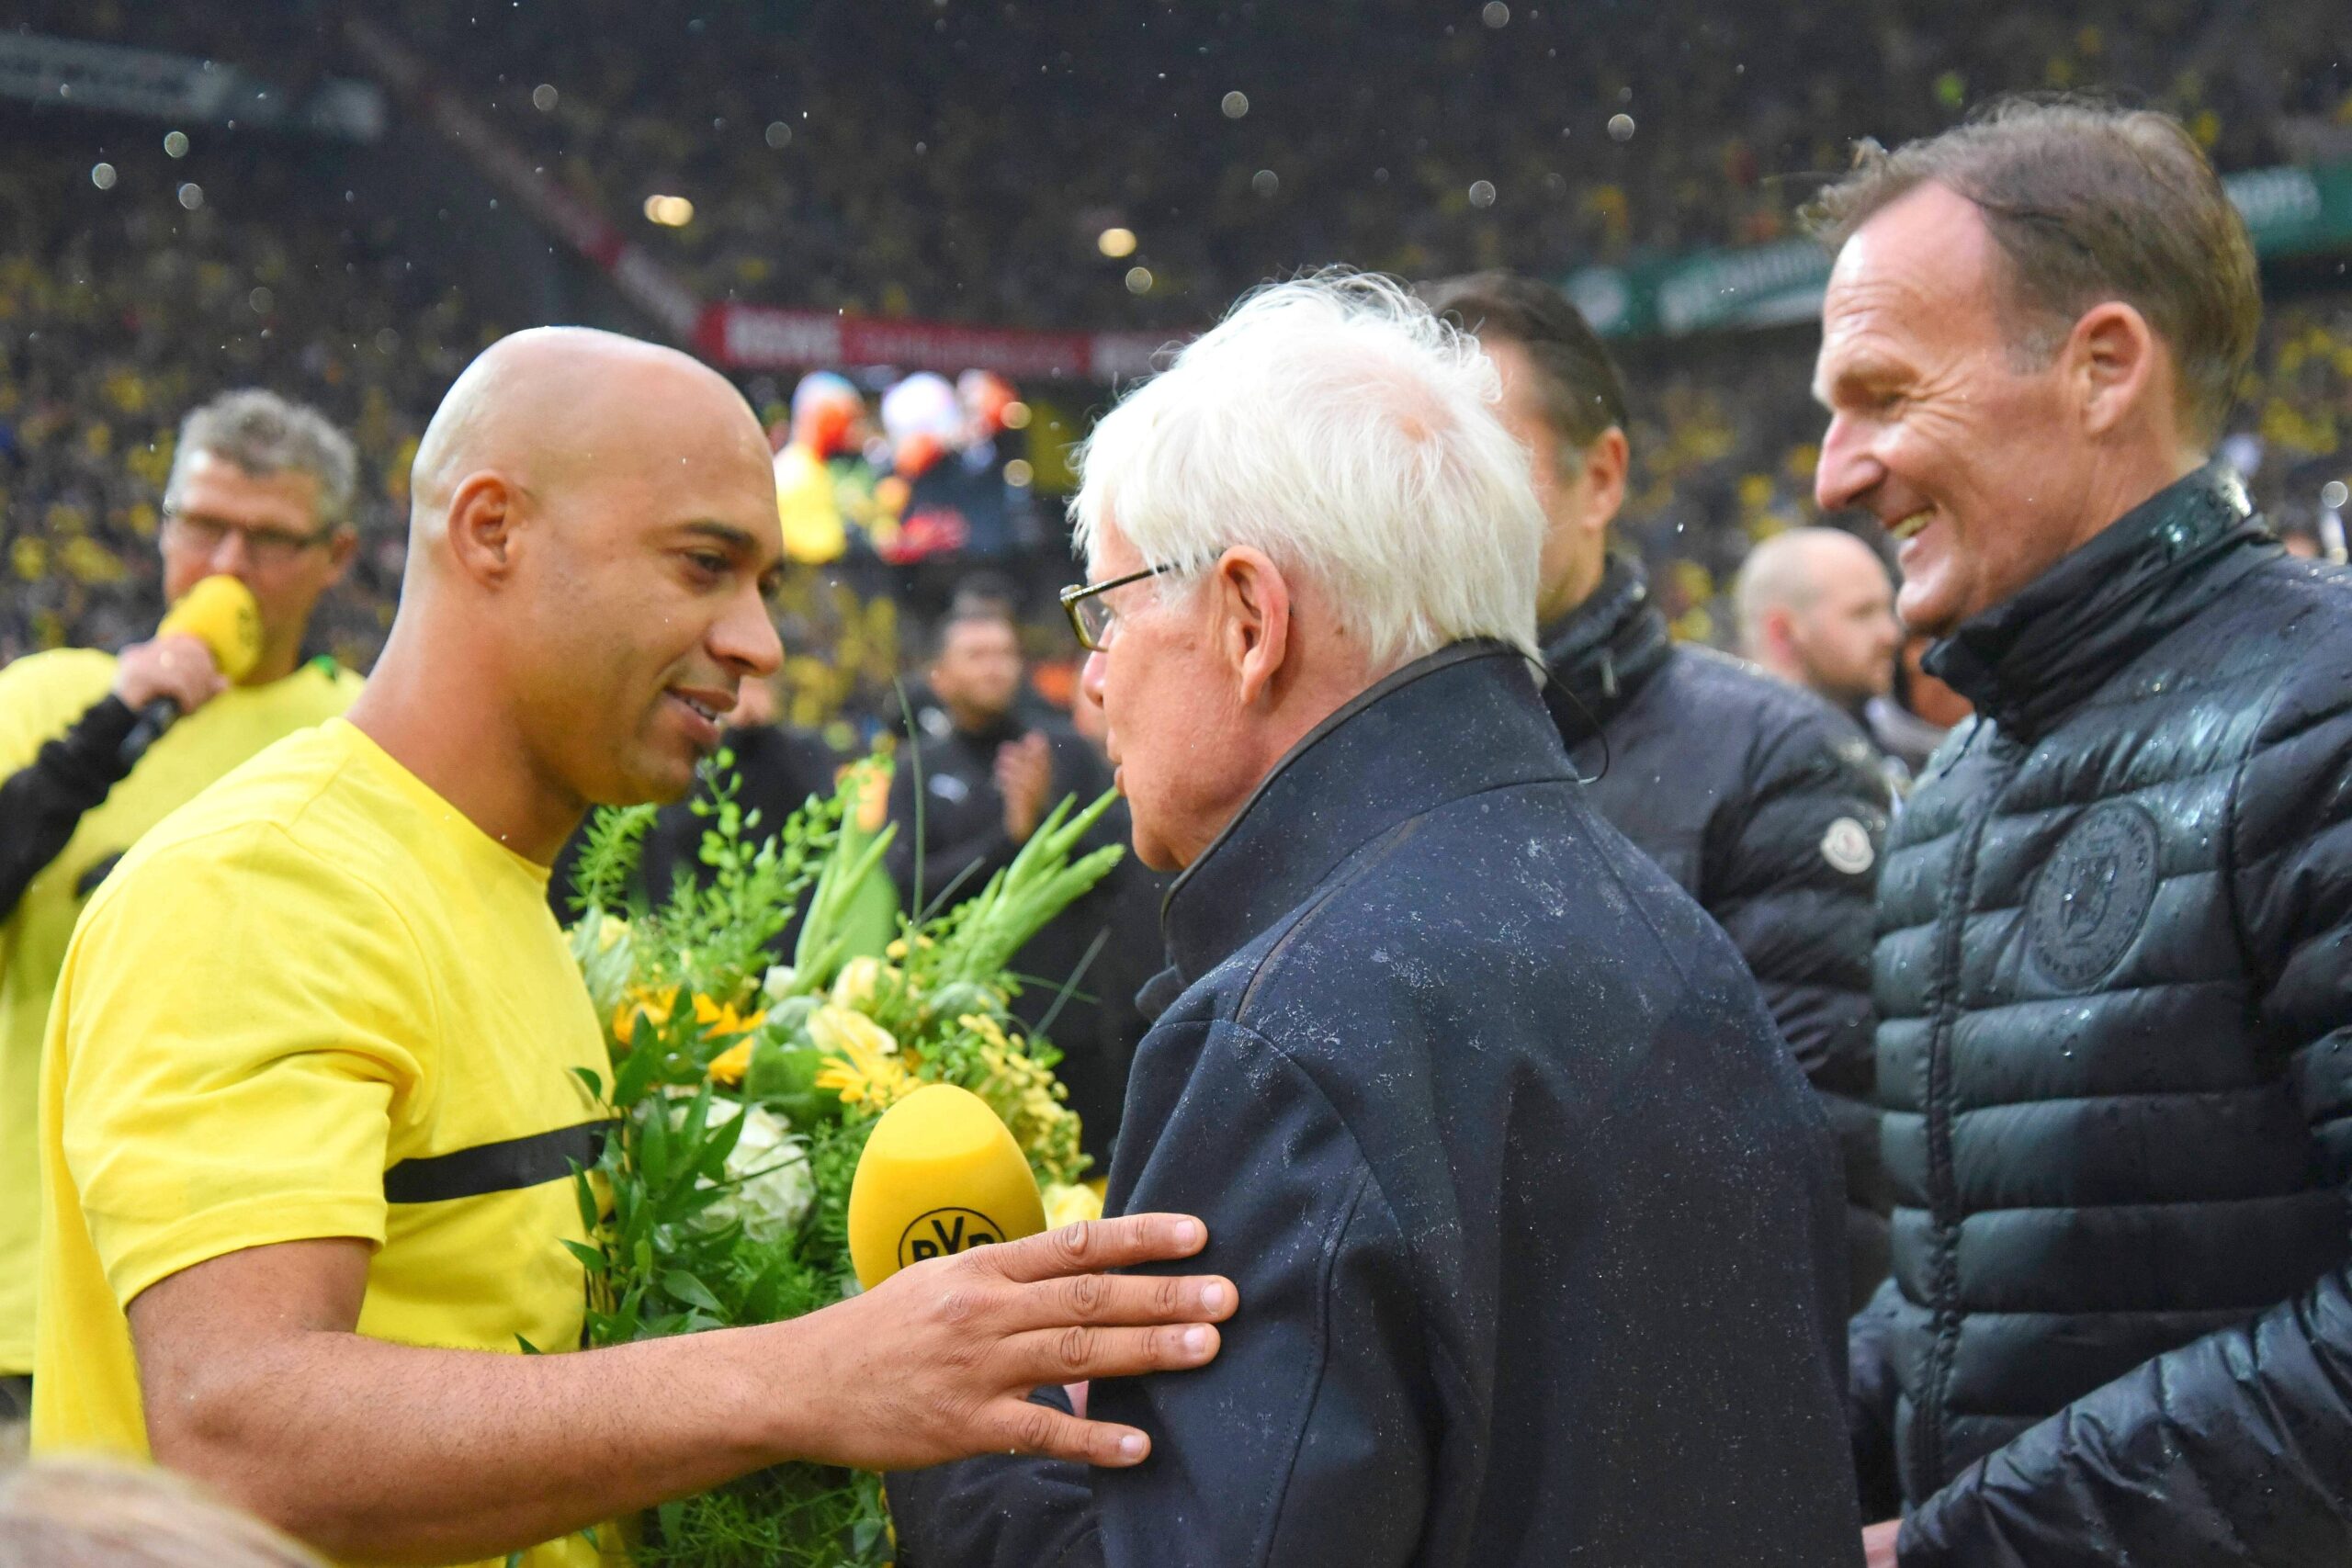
point(718, 1020)
point(863, 1065)
point(609, 931)
point(642, 1001)
point(1067, 1202)
point(862, 979)
point(729, 1066)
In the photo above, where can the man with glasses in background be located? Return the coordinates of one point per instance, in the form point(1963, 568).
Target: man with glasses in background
point(261, 491)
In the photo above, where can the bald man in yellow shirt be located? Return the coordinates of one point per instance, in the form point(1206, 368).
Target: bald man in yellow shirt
point(308, 1116)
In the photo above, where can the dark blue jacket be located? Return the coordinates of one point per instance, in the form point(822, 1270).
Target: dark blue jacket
point(1536, 1226)
point(1767, 806)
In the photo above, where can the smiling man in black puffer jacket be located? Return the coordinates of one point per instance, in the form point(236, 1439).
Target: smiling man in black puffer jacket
point(2116, 915)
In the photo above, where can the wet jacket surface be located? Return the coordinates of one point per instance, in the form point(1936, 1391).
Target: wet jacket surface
point(1536, 1226)
point(2115, 976)
point(1768, 806)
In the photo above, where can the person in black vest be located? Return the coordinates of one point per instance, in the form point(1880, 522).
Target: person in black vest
point(1536, 1222)
point(1764, 803)
point(2116, 1037)
point(971, 786)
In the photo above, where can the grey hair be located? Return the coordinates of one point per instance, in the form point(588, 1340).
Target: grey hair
point(1335, 423)
point(265, 434)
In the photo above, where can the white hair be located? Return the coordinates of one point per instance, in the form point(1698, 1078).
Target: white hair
point(1337, 424)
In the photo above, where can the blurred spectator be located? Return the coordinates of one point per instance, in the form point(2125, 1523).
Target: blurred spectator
point(261, 490)
point(1916, 713)
point(823, 485)
point(966, 799)
point(91, 1513)
point(1816, 609)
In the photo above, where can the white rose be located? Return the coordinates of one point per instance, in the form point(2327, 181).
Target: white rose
point(773, 1186)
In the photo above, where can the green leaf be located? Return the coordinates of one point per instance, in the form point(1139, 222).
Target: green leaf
point(685, 1287)
point(591, 1258)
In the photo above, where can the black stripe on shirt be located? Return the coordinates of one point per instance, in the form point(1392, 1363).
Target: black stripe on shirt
point(507, 1165)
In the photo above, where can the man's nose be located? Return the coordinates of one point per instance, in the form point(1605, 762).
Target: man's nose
point(1090, 678)
point(745, 640)
point(1847, 471)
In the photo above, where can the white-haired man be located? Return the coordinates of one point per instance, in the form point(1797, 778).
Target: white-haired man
point(1536, 1224)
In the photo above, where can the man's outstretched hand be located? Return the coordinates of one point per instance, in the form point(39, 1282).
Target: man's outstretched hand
point(937, 1362)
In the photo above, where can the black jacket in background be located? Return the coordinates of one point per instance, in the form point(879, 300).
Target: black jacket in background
point(42, 803)
point(2115, 975)
point(1535, 1225)
point(963, 837)
point(1768, 806)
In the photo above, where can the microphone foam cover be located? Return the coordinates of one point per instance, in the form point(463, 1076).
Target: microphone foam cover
point(940, 1174)
point(220, 611)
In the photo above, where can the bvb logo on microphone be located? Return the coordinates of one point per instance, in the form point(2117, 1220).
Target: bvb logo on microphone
point(944, 1232)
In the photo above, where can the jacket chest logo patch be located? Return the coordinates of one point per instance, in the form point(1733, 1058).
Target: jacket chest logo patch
point(1847, 847)
point(2091, 899)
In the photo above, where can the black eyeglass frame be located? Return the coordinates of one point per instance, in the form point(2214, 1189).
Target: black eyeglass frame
point(263, 543)
point(1078, 594)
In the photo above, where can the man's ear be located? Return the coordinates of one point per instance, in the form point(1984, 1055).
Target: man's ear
point(1606, 459)
point(340, 550)
point(2114, 365)
point(484, 527)
point(1252, 620)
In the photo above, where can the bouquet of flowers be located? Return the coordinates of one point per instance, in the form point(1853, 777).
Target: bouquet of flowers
point(743, 1092)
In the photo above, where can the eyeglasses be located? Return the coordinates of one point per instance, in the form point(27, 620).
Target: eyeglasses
point(1090, 616)
point(269, 547)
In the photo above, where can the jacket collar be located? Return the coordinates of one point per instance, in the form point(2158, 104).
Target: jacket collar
point(1604, 650)
point(1464, 719)
point(2030, 660)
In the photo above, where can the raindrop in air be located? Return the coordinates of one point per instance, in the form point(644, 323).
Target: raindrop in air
point(1235, 105)
point(191, 196)
point(1620, 127)
point(2331, 494)
point(778, 134)
point(1482, 193)
point(544, 96)
point(1138, 281)
point(102, 175)
point(387, 340)
point(175, 143)
point(261, 299)
point(1495, 14)
point(1265, 182)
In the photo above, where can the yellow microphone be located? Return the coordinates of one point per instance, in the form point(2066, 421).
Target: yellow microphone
point(941, 1174)
point(219, 613)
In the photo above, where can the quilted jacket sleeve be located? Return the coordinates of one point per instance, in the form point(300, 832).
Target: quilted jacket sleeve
point(2236, 1449)
point(1790, 871)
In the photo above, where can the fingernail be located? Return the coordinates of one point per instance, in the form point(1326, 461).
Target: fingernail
point(1197, 1341)
point(1213, 1297)
point(1191, 1233)
point(1131, 1446)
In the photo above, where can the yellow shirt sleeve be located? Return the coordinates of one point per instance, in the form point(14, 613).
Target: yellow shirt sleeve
point(245, 1037)
point(41, 694)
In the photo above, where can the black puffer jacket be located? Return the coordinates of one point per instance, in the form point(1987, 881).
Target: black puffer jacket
point(2115, 975)
point(1767, 805)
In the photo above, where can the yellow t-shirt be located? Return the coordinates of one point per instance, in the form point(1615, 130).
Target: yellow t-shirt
point(41, 698)
point(317, 1002)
